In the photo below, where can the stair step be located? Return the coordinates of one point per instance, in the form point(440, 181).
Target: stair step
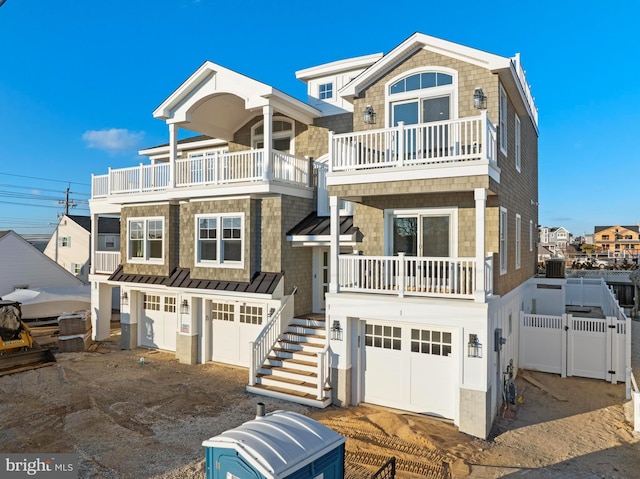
point(289, 395)
point(301, 344)
point(293, 352)
point(275, 370)
point(294, 362)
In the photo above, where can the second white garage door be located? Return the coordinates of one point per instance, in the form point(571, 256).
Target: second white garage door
point(411, 367)
point(159, 324)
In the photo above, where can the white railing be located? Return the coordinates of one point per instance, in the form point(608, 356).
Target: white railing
point(222, 168)
point(435, 143)
point(526, 89)
point(403, 275)
point(106, 262)
point(268, 337)
point(290, 168)
point(634, 393)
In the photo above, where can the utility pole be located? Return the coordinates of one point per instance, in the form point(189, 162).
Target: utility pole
point(67, 202)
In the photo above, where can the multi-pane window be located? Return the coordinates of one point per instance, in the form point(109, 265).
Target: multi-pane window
point(169, 304)
point(152, 302)
point(518, 241)
point(64, 241)
point(222, 311)
point(250, 314)
point(76, 268)
point(219, 240)
point(325, 91)
point(420, 81)
point(503, 120)
point(503, 240)
point(425, 341)
point(385, 337)
point(146, 239)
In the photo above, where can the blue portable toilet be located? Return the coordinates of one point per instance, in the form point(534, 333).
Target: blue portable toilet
point(278, 445)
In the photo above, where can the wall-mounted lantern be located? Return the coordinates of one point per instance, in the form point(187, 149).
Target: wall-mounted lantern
point(125, 298)
point(369, 116)
point(184, 307)
point(336, 331)
point(479, 99)
point(474, 348)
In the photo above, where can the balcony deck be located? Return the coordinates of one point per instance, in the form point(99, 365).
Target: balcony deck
point(414, 276)
point(442, 147)
point(210, 170)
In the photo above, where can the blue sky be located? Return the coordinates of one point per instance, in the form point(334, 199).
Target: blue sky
point(79, 81)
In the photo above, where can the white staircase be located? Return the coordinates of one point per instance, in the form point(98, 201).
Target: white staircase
point(290, 371)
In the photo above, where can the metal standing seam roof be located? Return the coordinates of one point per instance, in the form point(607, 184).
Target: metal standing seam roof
point(261, 283)
point(279, 443)
point(314, 225)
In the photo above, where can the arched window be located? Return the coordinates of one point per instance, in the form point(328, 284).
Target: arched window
point(422, 96)
point(281, 133)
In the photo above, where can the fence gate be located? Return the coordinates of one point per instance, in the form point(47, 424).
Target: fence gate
point(574, 346)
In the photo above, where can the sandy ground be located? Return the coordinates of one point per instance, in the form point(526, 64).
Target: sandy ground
point(132, 421)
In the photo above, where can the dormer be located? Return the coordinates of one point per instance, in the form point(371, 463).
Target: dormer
point(324, 81)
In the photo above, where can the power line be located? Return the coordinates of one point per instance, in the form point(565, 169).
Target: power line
point(39, 189)
point(45, 179)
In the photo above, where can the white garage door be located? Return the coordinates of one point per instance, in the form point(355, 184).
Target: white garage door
point(159, 322)
point(411, 367)
point(233, 327)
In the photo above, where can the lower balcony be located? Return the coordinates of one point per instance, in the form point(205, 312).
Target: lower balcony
point(106, 262)
point(415, 276)
point(215, 169)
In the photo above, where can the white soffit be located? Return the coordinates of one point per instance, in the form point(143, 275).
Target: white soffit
point(339, 66)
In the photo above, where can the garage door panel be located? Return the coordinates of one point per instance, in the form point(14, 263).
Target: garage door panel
point(411, 367)
point(159, 322)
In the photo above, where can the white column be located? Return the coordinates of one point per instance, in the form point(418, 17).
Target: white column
point(93, 243)
point(173, 153)
point(267, 112)
point(334, 205)
point(480, 195)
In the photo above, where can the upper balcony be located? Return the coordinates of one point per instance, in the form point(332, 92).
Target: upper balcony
point(219, 169)
point(449, 148)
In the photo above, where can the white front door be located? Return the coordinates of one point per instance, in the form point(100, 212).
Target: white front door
point(320, 278)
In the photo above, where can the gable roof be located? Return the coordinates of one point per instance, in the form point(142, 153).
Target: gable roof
point(634, 228)
point(510, 69)
point(106, 224)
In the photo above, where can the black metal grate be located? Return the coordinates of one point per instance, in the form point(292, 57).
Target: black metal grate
point(387, 471)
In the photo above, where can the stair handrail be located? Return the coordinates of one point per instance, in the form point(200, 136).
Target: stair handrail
point(267, 339)
point(323, 365)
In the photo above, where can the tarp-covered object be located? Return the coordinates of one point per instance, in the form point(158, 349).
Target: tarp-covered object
point(9, 320)
point(51, 302)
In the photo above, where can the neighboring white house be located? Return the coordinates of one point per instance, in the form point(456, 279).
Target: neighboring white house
point(24, 267)
point(70, 243)
point(555, 239)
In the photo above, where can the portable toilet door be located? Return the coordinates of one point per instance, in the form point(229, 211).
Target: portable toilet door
point(278, 445)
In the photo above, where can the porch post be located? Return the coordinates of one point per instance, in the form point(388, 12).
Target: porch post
point(334, 203)
point(480, 195)
point(173, 153)
point(94, 242)
point(267, 111)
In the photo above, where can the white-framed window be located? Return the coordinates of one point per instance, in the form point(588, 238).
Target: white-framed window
point(64, 241)
point(503, 120)
point(385, 337)
point(530, 235)
point(151, 302)
point(431, 232)
point(169, 304)
point(282, 133)
point(250, 314)
point(220, 240)
point(422, 96)
point(325, 91)
point(76, 268)
point(426, 341)
point(517, 144)
point(145, 240)
point(503, 240)
point(222, 311)
point(518, 241)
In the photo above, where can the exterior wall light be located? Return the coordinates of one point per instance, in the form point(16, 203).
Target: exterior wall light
point(479, 99)
point(184, 307)
point(474, 347)
point(369, 115)
point(336, 331)
point(125, 298)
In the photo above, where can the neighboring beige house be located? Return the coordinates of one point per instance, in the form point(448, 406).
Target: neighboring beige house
point(374, 244)
point(70, 243)
point(617, 241)
point(24, 267)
